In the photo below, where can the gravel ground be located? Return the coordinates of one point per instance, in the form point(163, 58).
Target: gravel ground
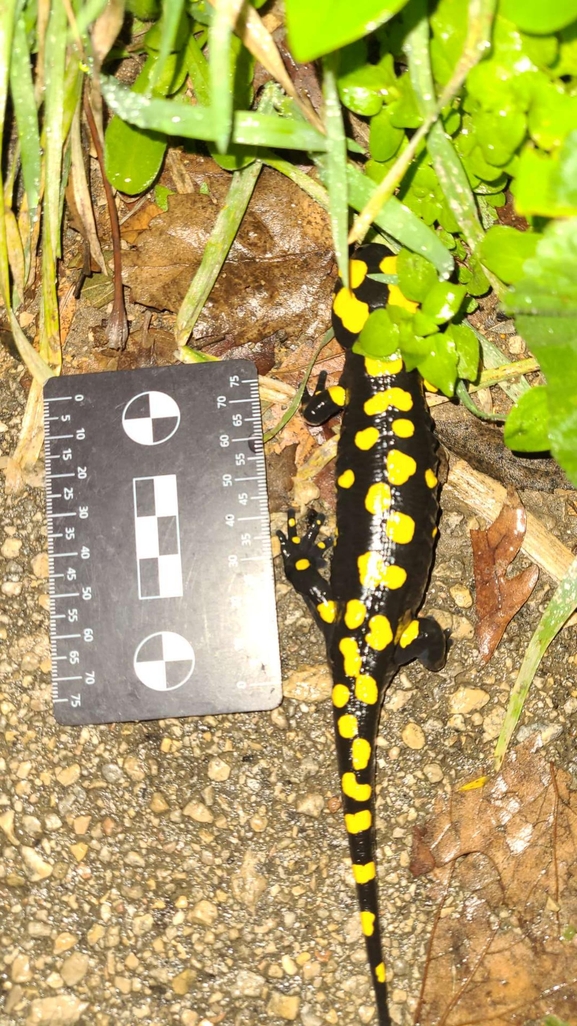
point(195, 871)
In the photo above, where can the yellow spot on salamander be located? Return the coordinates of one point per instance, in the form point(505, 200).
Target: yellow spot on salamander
point(327, 611)
point(295, 539)
point(292, 522)
point(409, 634)
point(355, 613)
point(367, 438)
point(368, 923)
point(361, 753)
point(398, 398)
point(434, 532)
point(346, 479)
point(337, 394)
point(400, 467)
point(396, 298)
point(429, 386)
point(341, 695)
point(357, 273)
point(380, 972)
point(357, 822)
point(380, 634)
point(302, 564)
point(366, 689)
point(374, 573)
point(378, 499)
point(395, 577)
point(377, 368)
point(388, 264)
point(347, 726)
point(349, 650)
point(364, 873)
point(431, 478)
point(400, 528)
point(403, 428)
point(352, 789)
point(351, 311)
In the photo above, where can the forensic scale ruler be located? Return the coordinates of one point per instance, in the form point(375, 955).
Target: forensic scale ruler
point(161, 581)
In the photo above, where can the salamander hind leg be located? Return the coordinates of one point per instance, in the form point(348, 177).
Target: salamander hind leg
point(425, 640)
point(303, 558)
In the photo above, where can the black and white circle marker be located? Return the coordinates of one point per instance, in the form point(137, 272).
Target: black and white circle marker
point(164, 661)
point(151, 418)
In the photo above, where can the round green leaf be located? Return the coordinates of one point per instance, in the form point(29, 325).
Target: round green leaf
point(527, 426)
point(384, 138)
point(379, 337)
point(144, 10)
point(504, 250)
point(468, 353)
point(443, 302)
point(440, 365)
point(416, 277)
point(500, 133)
point(539, 17)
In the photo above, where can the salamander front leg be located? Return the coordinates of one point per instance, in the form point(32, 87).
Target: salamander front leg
point(303, 558)
point(425, 640)
point(324, 402)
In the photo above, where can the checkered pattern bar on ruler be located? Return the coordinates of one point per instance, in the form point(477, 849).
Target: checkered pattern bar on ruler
point(157, 535)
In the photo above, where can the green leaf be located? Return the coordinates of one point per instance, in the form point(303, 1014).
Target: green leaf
point(552, 115)
point(440, 365)
point(424, 325)
point(174, 31)
point(133, 157)
point(384, 138)
point(539, 17)
point(144, 10)
point(468, 351)
point(363, 86)
point(443, 301)
point(504, 251)
point(380, 336)
point(527, 426)
point(500, 133)
point(549, 285)
point(318, 28)
point(416, 277)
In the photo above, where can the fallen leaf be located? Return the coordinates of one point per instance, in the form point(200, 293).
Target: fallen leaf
point(499, 597)
point(277, 281)
point(506, 952)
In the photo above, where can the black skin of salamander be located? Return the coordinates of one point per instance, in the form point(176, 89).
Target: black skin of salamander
point(359, 531)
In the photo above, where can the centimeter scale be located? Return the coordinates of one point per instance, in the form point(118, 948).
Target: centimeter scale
point(161, 581)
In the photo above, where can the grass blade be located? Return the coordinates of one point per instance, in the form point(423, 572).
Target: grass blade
point(169, 22)
point(336, 166)
point(221, 69)
point(250, 128)
point(558, 610)
point(7, 12)
point(22, 92)
point(400, 222)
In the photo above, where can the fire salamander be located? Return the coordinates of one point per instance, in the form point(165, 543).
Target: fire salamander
point(387, 512)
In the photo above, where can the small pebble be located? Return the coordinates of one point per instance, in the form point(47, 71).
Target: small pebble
point(158, 803)
point(285, 1006)
point(69, 775)
point(39, 564)
point(64, 942)
point(204, 912)
point(465, 700)
point(10, 548)
point(218, 769)
point(74, 968)
point(311, 805)
point(38, 868)
point(248, 984)
point(60, 1010)
point(461, 596)
point(198, 812)
point(413, 736)
point(309, 684)
point(433, 772)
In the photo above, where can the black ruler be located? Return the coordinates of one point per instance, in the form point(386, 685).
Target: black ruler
point(161, 580)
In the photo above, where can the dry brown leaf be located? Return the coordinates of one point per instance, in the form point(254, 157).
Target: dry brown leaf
point(506, 953)
point(499, 597)
point(277, 281)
